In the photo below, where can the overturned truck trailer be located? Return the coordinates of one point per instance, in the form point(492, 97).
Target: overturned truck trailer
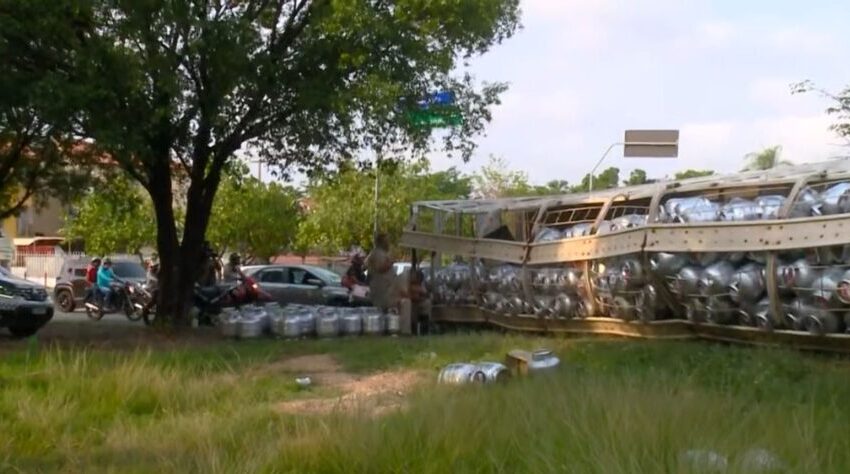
point(757, 257)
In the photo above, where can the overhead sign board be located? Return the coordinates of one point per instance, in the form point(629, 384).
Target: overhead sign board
point(651, 144)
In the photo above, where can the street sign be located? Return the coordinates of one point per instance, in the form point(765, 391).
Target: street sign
point(435, 118)
point(651, 144)
point(438, 98)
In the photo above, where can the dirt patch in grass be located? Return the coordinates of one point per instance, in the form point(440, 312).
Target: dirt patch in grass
point(372, 395)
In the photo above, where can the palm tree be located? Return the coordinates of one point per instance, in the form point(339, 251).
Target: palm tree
point(766, 159)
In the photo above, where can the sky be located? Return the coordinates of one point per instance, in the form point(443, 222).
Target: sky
point(580, 72)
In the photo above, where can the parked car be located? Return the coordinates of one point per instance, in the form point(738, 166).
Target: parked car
point(302, 284)
point(70, 289)
point(24, 306)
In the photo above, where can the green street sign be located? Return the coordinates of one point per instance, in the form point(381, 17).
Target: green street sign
point(435, 118)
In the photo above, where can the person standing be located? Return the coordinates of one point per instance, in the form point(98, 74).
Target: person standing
point(382, 284)
point(91, 278)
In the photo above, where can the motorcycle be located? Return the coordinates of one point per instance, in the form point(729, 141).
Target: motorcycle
point(143, 298)
point(207, 301)
point(96, 307)
point(210, 300)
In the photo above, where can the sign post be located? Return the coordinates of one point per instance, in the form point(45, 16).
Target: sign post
point(643, 144)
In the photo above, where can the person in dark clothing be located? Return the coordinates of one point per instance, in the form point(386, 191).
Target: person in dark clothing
point(356, 273)
point(210, 266)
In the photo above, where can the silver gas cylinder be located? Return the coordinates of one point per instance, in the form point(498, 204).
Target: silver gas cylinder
point(825, 288)
point(799, 276)
point(748, 284)
point(821, 321)
point(565, 305)
point(716, 278)
point(720, 310)
point(632, 273)
point(623, 308)
point(770, 206)
point(807, 204)
point(738, 209)
point(667, 264)
point(832, 199)
point(373, 323)
point(548, 234)
point(687, 281)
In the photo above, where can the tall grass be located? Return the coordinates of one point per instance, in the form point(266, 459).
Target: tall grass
point(613, 407)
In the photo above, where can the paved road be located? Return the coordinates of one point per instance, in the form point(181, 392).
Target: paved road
point(79, 316)
point(114, 331)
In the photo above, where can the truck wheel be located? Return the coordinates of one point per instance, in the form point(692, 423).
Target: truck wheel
point(24, 330)
point(65, 301)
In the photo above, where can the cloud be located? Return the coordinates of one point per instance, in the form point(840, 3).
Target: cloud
point(799, 39)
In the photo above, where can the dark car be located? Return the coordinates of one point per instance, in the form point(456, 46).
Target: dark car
point(70, 289)
point(24, 306)
point(303, 284)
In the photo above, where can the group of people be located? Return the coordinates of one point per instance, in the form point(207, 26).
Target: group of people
point(212, 271)
point(387, 290)
point(100, 277)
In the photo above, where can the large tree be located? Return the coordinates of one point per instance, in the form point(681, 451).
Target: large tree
point(159, 84)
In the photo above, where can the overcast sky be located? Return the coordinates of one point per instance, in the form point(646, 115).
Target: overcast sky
point(582, 71)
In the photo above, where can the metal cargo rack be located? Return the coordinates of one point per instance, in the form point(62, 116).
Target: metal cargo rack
point(784, 232)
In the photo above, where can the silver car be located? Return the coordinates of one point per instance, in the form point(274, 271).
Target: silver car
point(302, 284)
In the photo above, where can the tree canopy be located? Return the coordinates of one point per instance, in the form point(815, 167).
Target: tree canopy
point(764, 159)
point(840, 108)
point(113, 218)
point(37, 160)
point(692, 174)
point(637, 176)
point(169, 87)
point(342, 206)
point(256, 219)
point(497, 180)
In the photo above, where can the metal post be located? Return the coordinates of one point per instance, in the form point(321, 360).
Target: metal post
point(604, 155)
point(377, 193)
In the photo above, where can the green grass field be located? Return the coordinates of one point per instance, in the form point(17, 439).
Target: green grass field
point(614, 406)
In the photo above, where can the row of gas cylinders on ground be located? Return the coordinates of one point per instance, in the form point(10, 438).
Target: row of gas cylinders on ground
point(297, 321)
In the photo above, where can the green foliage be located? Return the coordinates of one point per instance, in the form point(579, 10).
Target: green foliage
point(180, 86)
point(765, 159)
point(114, 217)
point(556, 186)
point(607, 179)
point(342, 204)
point(622, 406)
point(254, 218)
point(38, 157)
point(452, 184)
point(637, 176)
point(496, 180)
point(692, 174)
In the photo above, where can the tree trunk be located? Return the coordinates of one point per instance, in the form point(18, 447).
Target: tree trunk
point(180, 261)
